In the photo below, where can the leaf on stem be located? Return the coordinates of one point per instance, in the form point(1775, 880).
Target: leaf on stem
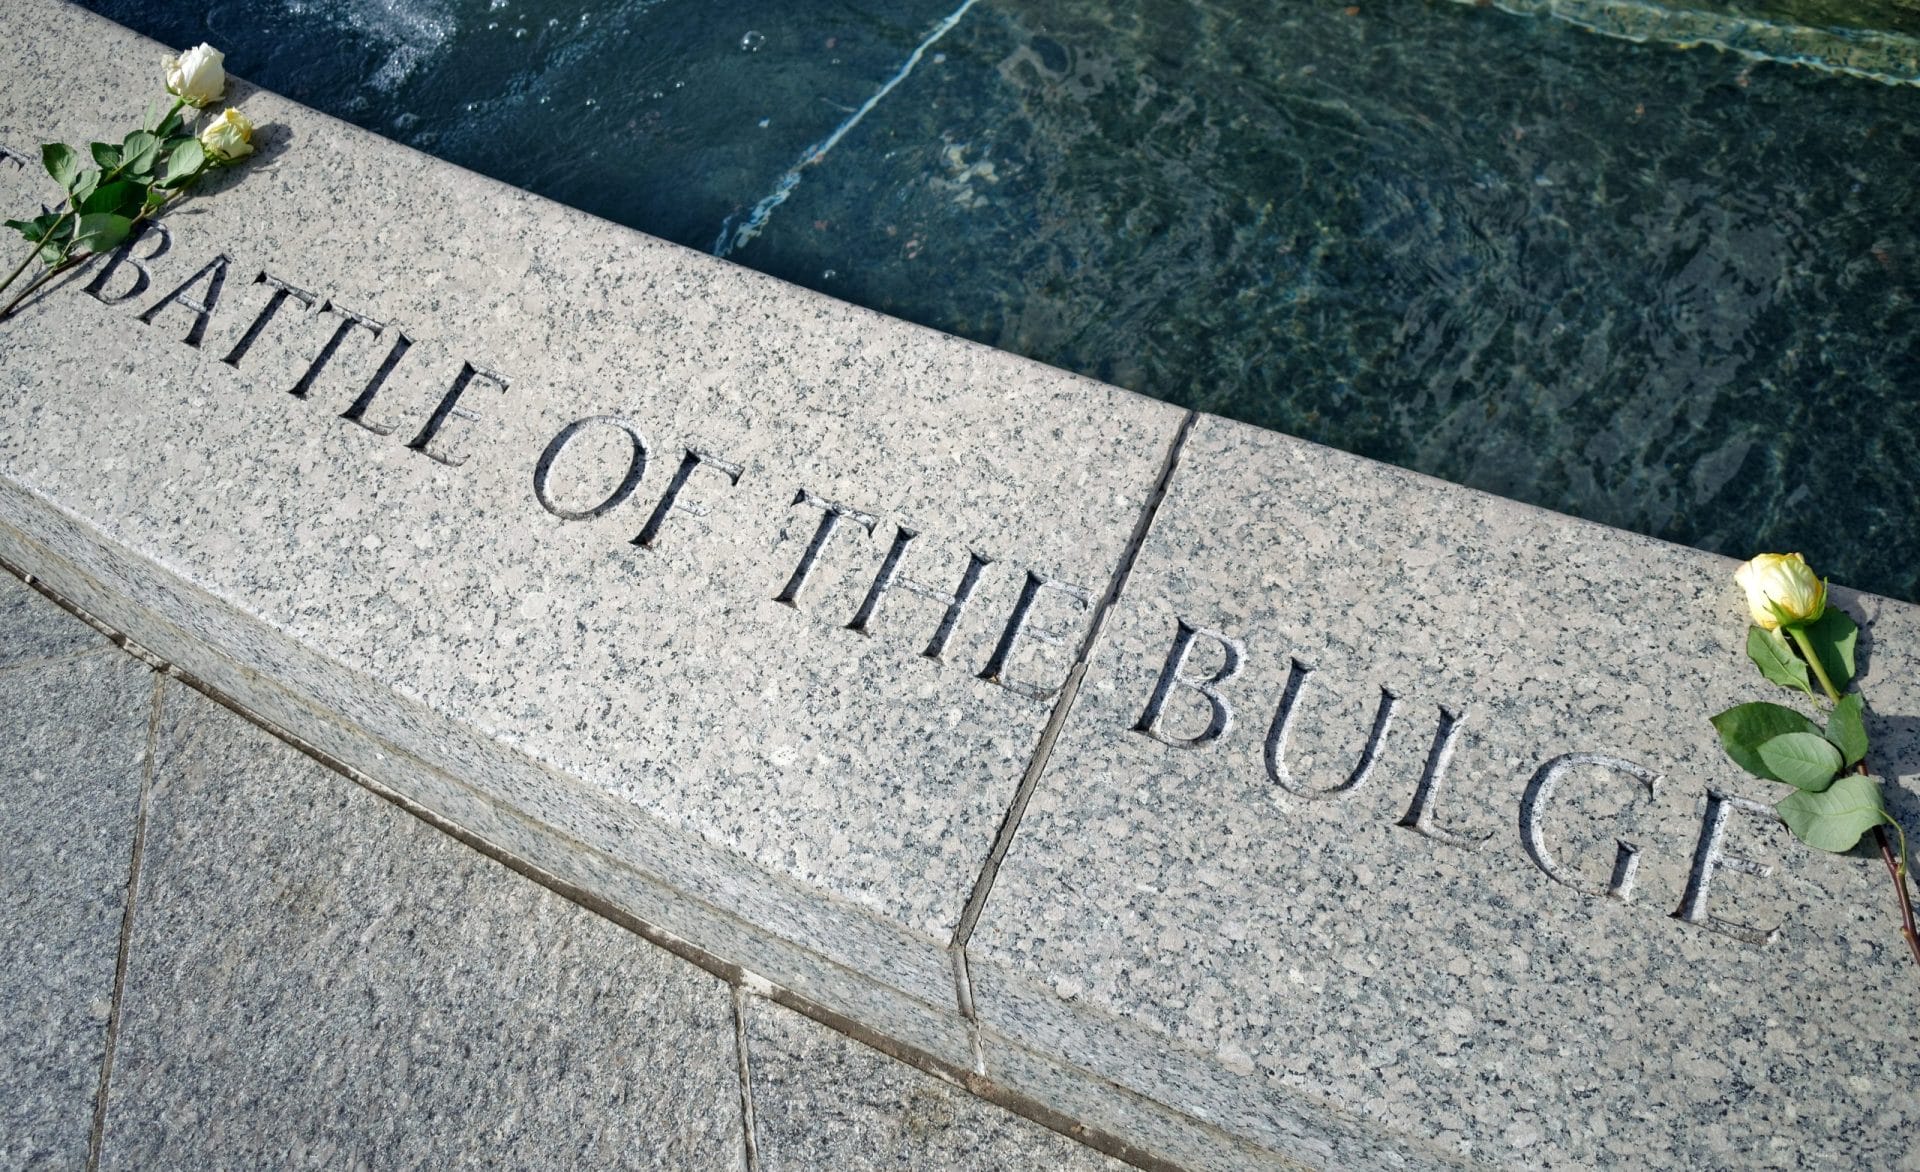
point(183, 163)
point(1776, 660)
point(62, 163)
point(1803, 760)
point(138, 152)
point(36, 229)
point(1834, 819)
point(1833, 638)
point(84, 186)
point(1846, 731)
point(100, 233)
point(106, 155)
point(122, 198)
point(1744, 728)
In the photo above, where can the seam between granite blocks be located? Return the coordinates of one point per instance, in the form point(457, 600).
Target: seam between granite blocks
point(749, 1140)
point(735, 975)
point(54, 660)
point(96, 1137)
point(1056, 723)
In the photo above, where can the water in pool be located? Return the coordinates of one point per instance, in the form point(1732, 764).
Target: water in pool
point(1675, 290)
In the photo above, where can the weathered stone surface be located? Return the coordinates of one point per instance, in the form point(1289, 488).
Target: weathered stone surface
point(1278, 952)
point(31, 628)
point(822, 1100)
point(430, 599)
point(73, 751)
point(316, 979)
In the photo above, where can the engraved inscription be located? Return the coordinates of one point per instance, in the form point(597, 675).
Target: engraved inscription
point(281, 292)
point(890, 577)
point(214, 274)
point(1419, 816)
point(123, 255)
point(1174, 674)
point(1711, 856)
point(999, 666)
point(349, 321)
point(356, 411)
point(830, 515)
point(636, 467)
point(1195, 679)
point(1539, 792)
point(1297, 675)
point(429, 442)
point(672, 499)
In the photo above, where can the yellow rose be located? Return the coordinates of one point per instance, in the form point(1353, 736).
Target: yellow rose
point(197, 76)
point(1781, 590)
point(228, 137)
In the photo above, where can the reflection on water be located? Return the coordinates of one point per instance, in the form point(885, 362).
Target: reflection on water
point(1669, 290)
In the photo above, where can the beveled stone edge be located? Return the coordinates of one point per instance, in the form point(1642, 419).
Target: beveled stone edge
point(164, 628)
point(919, 1036)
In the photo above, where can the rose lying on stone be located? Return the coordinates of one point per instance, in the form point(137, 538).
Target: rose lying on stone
point(1835, 799)
point(197, 76)
point(132, 181)
point(1781, 590)
point(228, 137)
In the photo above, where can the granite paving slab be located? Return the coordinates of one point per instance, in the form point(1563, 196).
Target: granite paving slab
point(317, 980)
point(822, 1100)
point(32, 628)
point(584, 539)
point(73, 754)
point(1390, 812)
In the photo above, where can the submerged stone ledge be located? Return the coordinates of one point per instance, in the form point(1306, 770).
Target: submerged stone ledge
point(1237, 801)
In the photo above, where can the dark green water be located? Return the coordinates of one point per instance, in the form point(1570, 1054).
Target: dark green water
point(1675, 291)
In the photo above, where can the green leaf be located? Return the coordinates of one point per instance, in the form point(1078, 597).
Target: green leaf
point(1776, 660)
point(36, 229)
point(1845, 730)
point(138, 152)
point(1744, 728)
point(1833, 637)
point(101, 233)
point(121, 197)
point(62, 163)
point(107, 156)
point(1803, 760)
point(83, 186)
point(183, 162)
point(1834, 819)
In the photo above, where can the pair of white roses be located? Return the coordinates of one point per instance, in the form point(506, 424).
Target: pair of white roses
point(197, 77)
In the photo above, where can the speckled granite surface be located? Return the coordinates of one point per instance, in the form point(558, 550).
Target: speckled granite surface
point(729, 708)
point(70, 780)
point(317, 980)
point(772, 695)
point(313, 979)
point(1241, 939)
point(822, 1100)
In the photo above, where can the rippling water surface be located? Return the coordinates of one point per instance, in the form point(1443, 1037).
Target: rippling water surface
point(1669, 289)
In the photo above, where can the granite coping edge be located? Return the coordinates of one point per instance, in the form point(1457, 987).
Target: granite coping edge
point(400, 764)
point(1093, 1110)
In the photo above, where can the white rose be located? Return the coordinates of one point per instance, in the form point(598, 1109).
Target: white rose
point(228, 137)
point(197, 76)
point(1781, 590)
